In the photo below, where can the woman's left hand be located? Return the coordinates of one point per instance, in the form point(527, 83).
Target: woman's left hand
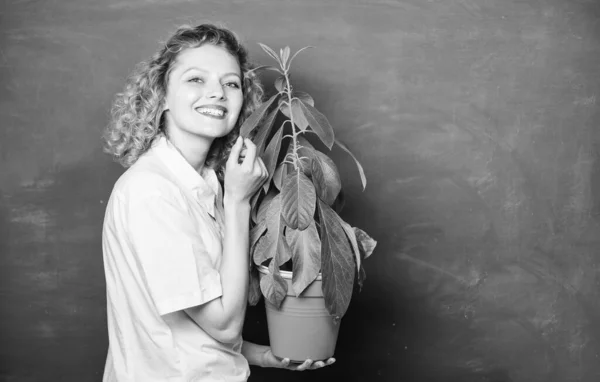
point(269, 360)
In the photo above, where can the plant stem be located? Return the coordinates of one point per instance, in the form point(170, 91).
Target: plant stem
point(294, 133)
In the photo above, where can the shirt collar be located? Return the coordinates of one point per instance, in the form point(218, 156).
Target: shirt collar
point(205, 188)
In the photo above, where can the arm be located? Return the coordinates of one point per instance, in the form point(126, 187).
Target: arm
point(223, 318)
point(254, 353)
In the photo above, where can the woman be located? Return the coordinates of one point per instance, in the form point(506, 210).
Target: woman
point(175, 244)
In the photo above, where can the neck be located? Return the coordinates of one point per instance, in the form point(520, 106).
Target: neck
point(193, 148)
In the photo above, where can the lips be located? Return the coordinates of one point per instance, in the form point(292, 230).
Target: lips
point(212, 111)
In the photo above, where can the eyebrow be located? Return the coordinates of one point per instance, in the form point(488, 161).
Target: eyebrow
point(202, 70)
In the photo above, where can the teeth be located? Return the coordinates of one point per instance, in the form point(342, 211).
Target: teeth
point(215, 112)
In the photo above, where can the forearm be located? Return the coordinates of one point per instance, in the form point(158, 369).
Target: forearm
point(235, 263)
point(254, 353)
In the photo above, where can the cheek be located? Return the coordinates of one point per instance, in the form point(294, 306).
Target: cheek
point(239, 101)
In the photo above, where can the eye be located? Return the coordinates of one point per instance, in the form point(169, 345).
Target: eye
point(196, 80)
point(233, 85)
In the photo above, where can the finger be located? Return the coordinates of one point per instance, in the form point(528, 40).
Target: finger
point(264, 172)
point(234, 154)
point(250, 153)
point(242, 155)
point(305, 365)
point(318, 365)
point(330, 361)
point(285, 362)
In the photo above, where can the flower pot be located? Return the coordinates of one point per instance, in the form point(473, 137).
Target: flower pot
point(301, 328)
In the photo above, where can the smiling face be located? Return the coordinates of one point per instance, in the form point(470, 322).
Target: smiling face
point(204, 94)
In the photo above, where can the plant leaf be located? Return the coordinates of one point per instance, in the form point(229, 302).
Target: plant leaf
point(363, 179)
point(261, 136)
point(306, 152)
point(338, 205)
point(262, 250)
point(280, 173)
point(264, 67)
point(351, 235)
point(366, 243)
point(270, 156)
point(337, 265)
point(253, 202)
point(362, 276)
point(304, 97)
point(326, 178)
point(273, 286)
point(285, 54)
point(299, 118)
point(264, 205)
point(252, 121)
point(280, 83)
point(256, 233)
point(254, 287)
point(295, 54)
point(270, 52)
point(298, 200)
point(273, 243)
point(319, 124)
point(306, 256)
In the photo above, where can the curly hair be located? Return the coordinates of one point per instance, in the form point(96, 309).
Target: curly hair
point(137, 111)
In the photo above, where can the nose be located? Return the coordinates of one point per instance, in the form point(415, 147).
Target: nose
point(215, 90)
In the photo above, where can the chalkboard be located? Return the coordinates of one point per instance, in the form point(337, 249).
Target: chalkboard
point(476, 123)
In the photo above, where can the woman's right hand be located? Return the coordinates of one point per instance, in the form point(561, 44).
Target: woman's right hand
point(243, 178)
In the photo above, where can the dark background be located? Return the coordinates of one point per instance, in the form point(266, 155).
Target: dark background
point(476, 122)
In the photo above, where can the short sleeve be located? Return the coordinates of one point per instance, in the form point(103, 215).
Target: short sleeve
point(171, 255)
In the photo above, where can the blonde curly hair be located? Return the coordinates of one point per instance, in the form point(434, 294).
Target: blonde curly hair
point(137, 112)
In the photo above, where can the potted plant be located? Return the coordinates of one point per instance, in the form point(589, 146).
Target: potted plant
point(305, 257)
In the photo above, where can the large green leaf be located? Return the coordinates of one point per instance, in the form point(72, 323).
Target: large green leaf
point(299, 117)
point(351, 235)
point(363, 179)
point(253, 207)
point(273, 243)
point(306, 152)
point(326, 178)
point(298, 114)
point(256, 233)
point(254, 287)
point(270, 52)
point(306, 256)
point(319, 124)
point(271, 155)
point(264, 204)
point(337, 264)
point(298, 200)
point(280, 173)
point(280, 85)
point(252, 121)
point(304, 97)
point(273, 286)
point(262, 134)
point(366, 243)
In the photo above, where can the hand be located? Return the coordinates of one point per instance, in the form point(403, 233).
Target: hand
point(269, 360)
point(243, 177)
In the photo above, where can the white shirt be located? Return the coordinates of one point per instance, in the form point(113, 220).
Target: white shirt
point(162, 245)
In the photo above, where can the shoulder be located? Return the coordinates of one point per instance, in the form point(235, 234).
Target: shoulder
point(147, 178)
